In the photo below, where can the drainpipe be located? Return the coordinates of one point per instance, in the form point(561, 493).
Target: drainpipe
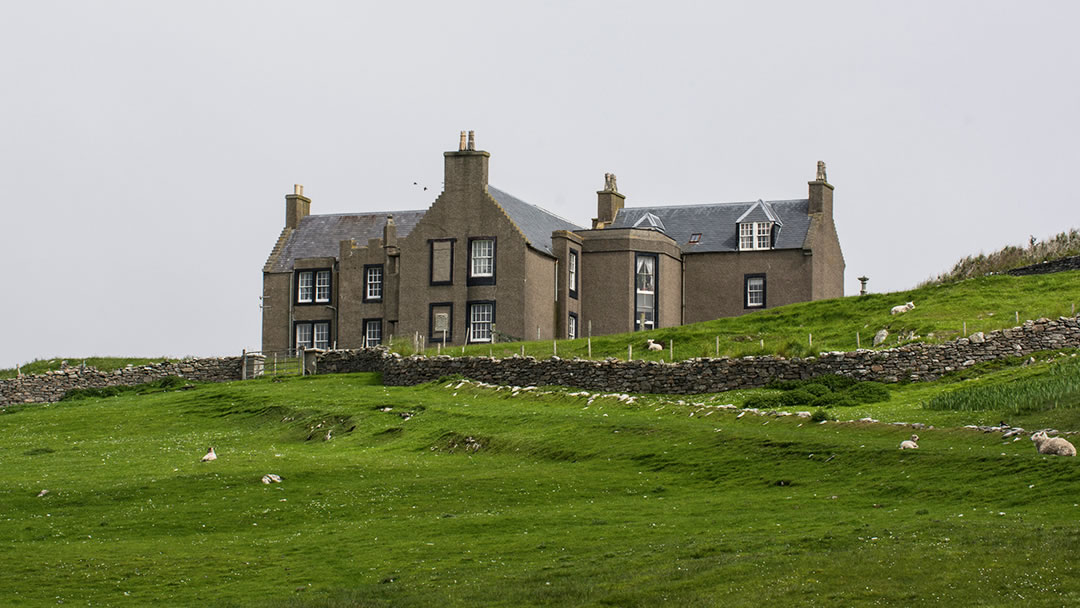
point(291, 331)
point(682, 291)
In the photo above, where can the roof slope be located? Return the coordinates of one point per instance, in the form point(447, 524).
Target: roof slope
point(716, 222)
point(319, 236)
point(535, 223)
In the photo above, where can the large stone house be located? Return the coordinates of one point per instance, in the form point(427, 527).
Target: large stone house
point(480, 265)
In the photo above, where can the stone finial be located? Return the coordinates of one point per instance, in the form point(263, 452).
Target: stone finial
point(298, 189)
point(390, 219)
point(609, 183)
point(472, 141)
point(461, 143)
point(821, 171)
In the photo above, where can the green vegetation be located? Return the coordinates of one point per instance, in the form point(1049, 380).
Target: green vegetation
point(941, 313)
point(41, 366)
point(449, 494)
point(1062, 245)
point(821, 392)
point(166, 383)
point(1059, 388)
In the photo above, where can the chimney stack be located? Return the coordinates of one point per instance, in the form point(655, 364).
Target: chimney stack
point(608, 203)
point(466, 169)
point(297, 206)
point(821, 192)
point(389, 232)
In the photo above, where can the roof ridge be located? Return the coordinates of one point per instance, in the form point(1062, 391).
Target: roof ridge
point(388, 212)
point(784, 200)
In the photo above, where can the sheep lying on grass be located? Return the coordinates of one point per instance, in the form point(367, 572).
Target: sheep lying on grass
point(902, 308)
point(1052, 445)
point(653, 345)
point(909, 444)
point(209, 455)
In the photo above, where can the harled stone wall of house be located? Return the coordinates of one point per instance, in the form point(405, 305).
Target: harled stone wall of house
point(51, 386)
point(915, 362)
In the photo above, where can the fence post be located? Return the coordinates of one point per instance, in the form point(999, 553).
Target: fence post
point(554, 348)
point(243, 364)
point(630, 352)
point(588, 342)
point(858, 345)
point(671, 349)
point(717, 347)
point(811, 339)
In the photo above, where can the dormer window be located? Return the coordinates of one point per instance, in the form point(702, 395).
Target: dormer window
point(755, 235)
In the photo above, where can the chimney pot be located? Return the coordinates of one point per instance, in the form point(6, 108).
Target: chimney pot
point(472, 141)
point(461, 143)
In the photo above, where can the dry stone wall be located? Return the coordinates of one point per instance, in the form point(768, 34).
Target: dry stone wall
point(915, 362)
point(51, 386)
point(1059, 265)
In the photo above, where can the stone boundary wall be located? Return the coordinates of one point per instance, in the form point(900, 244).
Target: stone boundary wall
point(915, 362)
point(1059, 265)
point(51, 386)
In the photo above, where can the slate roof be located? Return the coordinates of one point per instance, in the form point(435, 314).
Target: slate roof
point(535, 223)
point(716, 222)
point(318, 236)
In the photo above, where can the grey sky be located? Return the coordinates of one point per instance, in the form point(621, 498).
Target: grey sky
point(146, 147)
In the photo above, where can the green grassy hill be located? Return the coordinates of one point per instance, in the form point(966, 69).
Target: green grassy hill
point(451, 494)
point(942, 313)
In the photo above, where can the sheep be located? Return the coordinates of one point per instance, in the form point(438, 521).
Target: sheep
point(654, 345)
point(1052, 445)
point(902, 308)
point(209, 455)
point(909, 444)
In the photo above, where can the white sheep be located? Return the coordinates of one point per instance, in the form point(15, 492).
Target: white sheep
point(902, 308)
point(909, 444)
point(209, 455)
point(653, 345)
point(1052, 445)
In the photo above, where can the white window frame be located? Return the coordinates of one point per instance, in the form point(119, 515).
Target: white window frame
point(372, 332)
point(313, 334)
point(571, 327)
point(321, 335)
point(755, 292)
point(481, 320)
point(305, 336)
point(653, 261)
point(572, 272)
point(482, 263)
point(755, 236)
point(305, 287)
point(322, 286)
point(373, 283)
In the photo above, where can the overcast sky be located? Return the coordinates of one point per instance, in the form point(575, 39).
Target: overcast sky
point(146, 147)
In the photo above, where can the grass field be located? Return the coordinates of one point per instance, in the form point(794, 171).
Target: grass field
point(942, 313)
point(466, 496)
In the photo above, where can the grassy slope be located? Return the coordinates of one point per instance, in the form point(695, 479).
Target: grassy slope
point(984, 304)
point(565, 504)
